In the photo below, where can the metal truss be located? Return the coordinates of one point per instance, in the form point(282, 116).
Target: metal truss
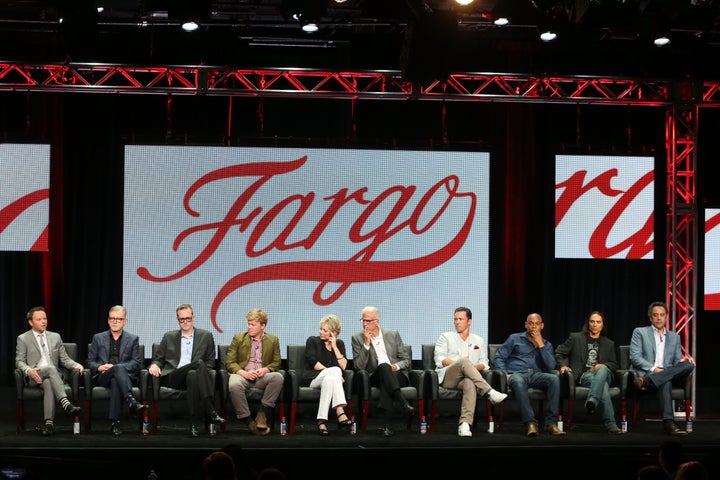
point(681, 129)
point(682, 100)
point(382, 85)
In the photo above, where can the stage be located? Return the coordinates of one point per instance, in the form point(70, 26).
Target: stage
point(174, 454)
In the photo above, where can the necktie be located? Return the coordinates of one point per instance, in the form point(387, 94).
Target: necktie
point(44, 349)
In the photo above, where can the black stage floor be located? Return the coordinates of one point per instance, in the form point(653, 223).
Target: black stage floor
point(586, 452)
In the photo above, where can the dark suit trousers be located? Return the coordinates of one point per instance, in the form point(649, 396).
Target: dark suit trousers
point(120, 383)
point(389, 383)
point(194, 377)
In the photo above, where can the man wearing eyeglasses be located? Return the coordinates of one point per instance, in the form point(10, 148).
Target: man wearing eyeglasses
point(382, 354)
point(179, 353)
point(40, 354)
point(114, 360)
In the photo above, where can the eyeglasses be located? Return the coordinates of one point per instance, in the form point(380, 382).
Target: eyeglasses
point(362, 320)
point(116, 319)
point(185, 319)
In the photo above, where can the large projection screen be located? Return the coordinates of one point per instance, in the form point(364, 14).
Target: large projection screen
point(604, 207)
point(711, 270)
point(302, 233)
point(24, 197)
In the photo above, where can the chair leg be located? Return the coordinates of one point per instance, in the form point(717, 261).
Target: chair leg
point(223, 411)
point(636, 410)
point(20, 417)
point(293, 410)
point(433, 413)
point(571, 409)
point(155, 417)
point(365, 405)
point(501, 420)
point(88, 405)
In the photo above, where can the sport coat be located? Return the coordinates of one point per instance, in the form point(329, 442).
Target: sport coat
point(449, 345)
point(238, 354)
point(167, 354)
point(367, 359)
point(642, 349)
point(573, 353)
point(28, 354)
point(128, 357)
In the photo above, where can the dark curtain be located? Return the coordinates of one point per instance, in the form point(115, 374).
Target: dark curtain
point(81, 276)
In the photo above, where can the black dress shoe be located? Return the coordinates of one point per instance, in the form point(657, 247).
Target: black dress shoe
point(194, 431)
point(47, 430)
point(590, 407)
point(216, 418)
point(673, 429)
point(115, 429)
point(137, 407)
point(72, 410)
point(388, 431)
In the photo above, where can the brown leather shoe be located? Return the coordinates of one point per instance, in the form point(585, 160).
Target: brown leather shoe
point(554, 430)
point(262, 426)
point(252, 426)
point(532, 429)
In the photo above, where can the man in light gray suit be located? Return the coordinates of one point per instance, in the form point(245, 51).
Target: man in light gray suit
point(382, 354)
point(657, 360)
point(40, 353)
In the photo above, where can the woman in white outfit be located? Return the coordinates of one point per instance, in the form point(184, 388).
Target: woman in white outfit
point(325, 357)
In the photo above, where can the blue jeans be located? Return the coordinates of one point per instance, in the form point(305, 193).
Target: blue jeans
point(599, 384)
point(664, 383)
point(519, 382)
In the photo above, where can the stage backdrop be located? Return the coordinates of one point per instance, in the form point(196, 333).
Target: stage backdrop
point(302, 233)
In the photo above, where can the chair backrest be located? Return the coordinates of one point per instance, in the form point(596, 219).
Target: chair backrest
point(296, 357)
point(428, 356)
point(624, 357)
point(492, 350)
point(222, 355)
point(72, 350)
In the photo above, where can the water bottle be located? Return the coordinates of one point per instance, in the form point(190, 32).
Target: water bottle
point(76, 425)
point(623, 424)
point(423, 426)
point(491, 424)
point(146, 425)
point(211, 429)
point(689, 425)
point(560, 423)
point(353, 426)
point(283, 426)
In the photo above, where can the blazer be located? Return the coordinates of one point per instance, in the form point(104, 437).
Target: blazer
point(573, 353)
point(642, 349)
point(28, 355)
point(167, 355)
point(366, 359)
point(238, 354)
point(128, 357)
point(449, 345)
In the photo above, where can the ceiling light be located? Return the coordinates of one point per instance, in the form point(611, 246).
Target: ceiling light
point(548, 36)
point(463, 2)
point(190, 26)
point(661, 41)
point(310, 27)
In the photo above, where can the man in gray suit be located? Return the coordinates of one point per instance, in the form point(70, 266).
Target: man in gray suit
point(40, 354)
point(656, 358)
point(179, 353)
point(382, 354)
point(114, 360)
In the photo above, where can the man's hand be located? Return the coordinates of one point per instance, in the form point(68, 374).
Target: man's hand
point(34, 373)
point(565, 369)
point(79, 368)
point(154, 370)
point(536, 339)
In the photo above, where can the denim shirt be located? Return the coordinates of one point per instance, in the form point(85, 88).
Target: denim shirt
point(519, 354)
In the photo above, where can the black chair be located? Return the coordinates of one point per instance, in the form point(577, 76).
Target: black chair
point(72, 387)
point(94, 393)
point(499, 382)
point(570, 390)
point(254, 395)
point(439, 393)
point(415, 392)
point(304, 394)
point(681, 389)
point(163, 393)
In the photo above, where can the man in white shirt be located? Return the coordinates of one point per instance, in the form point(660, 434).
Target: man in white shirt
point(460, 356)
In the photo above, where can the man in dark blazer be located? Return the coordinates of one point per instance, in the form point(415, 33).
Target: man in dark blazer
point(40, 353)
point(657, 372)
point(114, 360)
point(382, 354)
point(179, 353)
point(592, 358)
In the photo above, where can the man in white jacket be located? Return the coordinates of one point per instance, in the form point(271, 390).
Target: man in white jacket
point(460, 356)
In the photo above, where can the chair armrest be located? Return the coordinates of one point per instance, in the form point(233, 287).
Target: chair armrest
point(292, 385)
point(431, 377)
point(20, 383)
point(75, 382)
point(622, 381)
point(418, 380)
point(87, 381)
point(155, 382)
point(143, 383)
point(363, 384)
point(498, 380)
point(224, 378)
point(568, 382)
point(349, 376)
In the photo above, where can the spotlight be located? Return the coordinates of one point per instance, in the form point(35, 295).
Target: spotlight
point(661, 40)
point(548, 36)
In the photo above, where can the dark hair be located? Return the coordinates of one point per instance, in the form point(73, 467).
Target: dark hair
point(464, 309)
point(657, 304)
point(586, 325)
point(33, 310)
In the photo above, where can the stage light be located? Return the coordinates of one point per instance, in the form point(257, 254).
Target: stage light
point(548, 36)
point(190, 26)
point(306, 12)
point(661, 41)
point(464, 2)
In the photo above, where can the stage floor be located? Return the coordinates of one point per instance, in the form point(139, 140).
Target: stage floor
point(175, 455)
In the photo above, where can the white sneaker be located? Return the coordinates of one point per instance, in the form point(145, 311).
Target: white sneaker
point(496, 397)
point(464, 430)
